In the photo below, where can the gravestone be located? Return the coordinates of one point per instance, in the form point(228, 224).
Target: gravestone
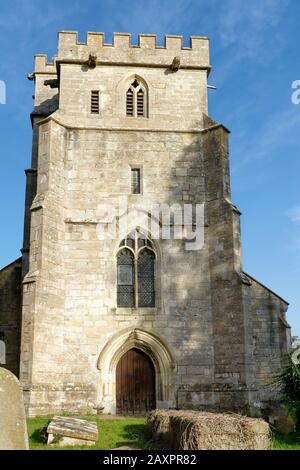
point(13, 429)
point(63, 431)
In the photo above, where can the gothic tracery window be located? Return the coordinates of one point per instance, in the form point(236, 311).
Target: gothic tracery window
point(136, 272)
point(136, 99)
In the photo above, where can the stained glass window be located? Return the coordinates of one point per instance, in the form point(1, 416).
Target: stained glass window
point(146, 263)
point(125, 278)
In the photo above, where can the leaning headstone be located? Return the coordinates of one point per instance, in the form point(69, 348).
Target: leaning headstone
point(13, 429)
point(64, 431)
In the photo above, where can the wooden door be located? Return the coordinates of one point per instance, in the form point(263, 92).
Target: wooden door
point(135, 383)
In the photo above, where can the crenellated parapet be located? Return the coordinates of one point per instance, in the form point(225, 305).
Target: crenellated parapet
point(42, 66)
point(122, 52)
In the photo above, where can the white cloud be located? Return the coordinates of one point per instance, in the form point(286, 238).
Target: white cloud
point(294, 215)
point(243, 24)
point(280, 129)
point(249, 30)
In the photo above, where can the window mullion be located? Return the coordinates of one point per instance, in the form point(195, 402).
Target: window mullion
point(134, 103)
point(136, 281)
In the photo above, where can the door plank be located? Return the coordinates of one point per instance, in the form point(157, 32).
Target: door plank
point(135, 383)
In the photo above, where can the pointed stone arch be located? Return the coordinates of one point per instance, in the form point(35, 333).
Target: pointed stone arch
point(126, 84)
point(142, 220)
point(157, 351)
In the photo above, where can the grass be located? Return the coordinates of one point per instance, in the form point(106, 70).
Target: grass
point(113, 433)
point(286, 441)
point(128, 431)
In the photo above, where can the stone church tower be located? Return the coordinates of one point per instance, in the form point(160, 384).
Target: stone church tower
point(130, 322)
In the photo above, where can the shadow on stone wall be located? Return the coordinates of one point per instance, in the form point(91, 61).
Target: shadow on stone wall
point(11, 313)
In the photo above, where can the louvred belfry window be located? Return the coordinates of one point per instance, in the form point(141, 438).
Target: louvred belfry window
point(95, 102)
point(129, 102)
point(136, 99)
point(136, 264)
point(140, 103)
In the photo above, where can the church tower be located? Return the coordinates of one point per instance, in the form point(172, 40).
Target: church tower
point(122, 309)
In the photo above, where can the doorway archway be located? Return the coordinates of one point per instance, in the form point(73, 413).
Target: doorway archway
point(154, 349)
point(135, 383)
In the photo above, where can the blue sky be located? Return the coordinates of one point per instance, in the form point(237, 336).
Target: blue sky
point(255, 59)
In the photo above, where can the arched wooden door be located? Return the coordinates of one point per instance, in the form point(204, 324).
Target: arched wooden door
point(135, 383)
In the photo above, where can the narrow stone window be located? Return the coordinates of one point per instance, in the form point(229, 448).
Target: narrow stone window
point(135, 181)
point(136, 261)
point(95, 102)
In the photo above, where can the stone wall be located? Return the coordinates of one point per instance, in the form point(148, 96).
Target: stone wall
point(269, 334)
point(43, 301)
point(68, 257)
point(175, 100)
point(199, 317)
point(10, 313)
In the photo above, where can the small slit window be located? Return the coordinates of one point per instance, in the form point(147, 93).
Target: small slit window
point(95, 102)
point(135, 181)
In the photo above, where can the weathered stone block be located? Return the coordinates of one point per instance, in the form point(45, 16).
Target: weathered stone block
point(64, 431)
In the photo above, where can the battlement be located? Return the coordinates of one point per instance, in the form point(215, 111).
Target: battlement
point(123, 52)
point(42, 66)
